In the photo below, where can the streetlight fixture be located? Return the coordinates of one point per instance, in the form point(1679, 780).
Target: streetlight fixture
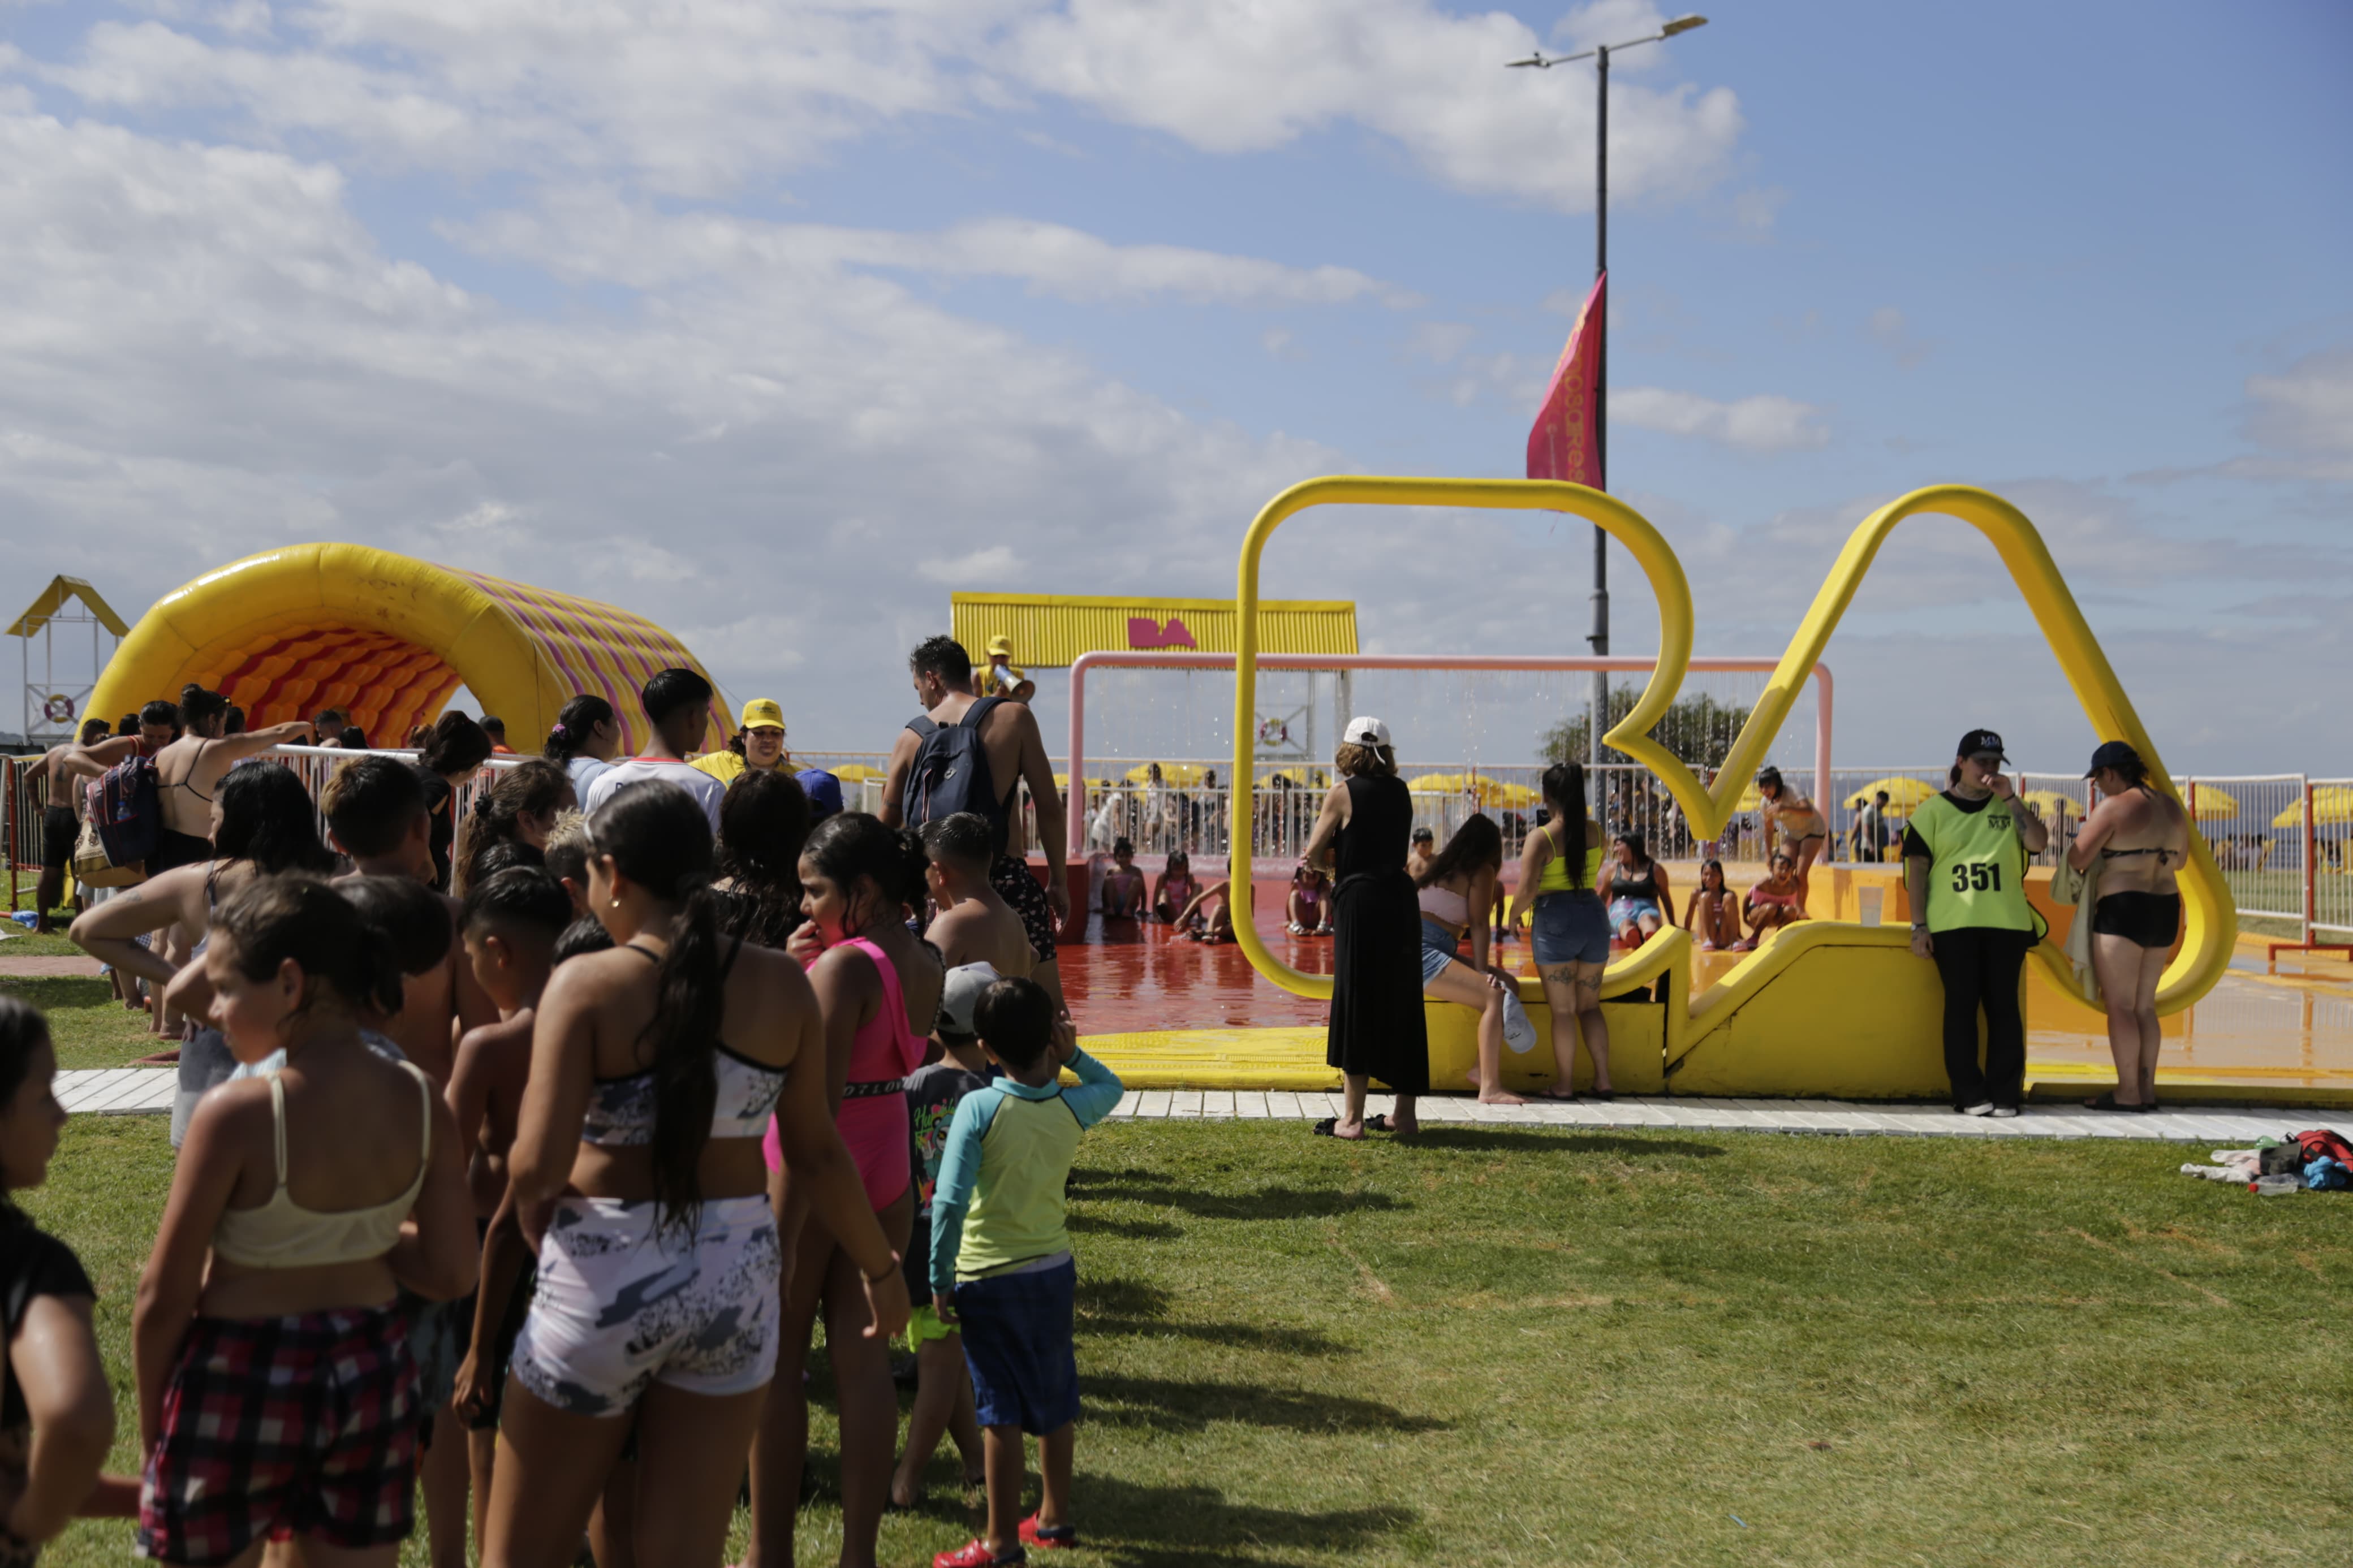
point(1600, 55)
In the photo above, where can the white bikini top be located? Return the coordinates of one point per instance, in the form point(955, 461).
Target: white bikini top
point(282, 1234)
point(1445, 904)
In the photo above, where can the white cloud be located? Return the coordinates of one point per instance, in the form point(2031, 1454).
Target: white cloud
point(991, 567)
point(1887, 328)
point(2305, 413)
point(1763, 424)
point(1241, 76)
point(205, 354)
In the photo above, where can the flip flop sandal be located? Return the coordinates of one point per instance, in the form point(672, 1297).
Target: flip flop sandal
point(2109, 1101)
point(1329, 1128)
point(1377, 1124)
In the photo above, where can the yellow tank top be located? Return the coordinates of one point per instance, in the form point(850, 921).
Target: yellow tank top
point(1554, 877)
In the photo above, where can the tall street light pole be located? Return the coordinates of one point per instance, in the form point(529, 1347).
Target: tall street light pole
point(1600, 718)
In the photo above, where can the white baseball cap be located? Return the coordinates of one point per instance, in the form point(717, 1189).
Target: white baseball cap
point(1365, 730)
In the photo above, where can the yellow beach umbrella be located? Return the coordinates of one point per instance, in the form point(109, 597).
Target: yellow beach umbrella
point(2213, 804)
point(1902, 793)
point(1436, 783)
point(1185, 775)
point(2051, 803)
point(2330, 803)
point(1504, 795)
point(857, 773)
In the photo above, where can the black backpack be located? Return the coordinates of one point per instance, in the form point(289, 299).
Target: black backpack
point(951, 772)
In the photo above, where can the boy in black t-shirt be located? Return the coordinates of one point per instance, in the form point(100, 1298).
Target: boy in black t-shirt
point(942, 1387)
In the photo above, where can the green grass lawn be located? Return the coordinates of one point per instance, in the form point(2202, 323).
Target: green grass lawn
point(90, 1028)
point(1505, 1346)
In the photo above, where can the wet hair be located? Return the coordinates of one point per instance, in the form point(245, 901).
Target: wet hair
point(1633, 839)
point(266, 817)
point(1781, 857)
point(1373, 762)
point(1178, 861)
point(411, 916)
point(963, 838)
point(1122, 846)
point(23, 1031)
point(659, 839)
point(322, 930)
point(455, 745)
point(1715, 866)
point(1564, 789)
point(943, 656)
point(370, 803)
point(1477, 846)
point(851, 847)
point(496, 729)
point(1770, 778)
point(671, 690)
point(522, 897)
point(573, 725)
point(158, 712)
point(566, 854)
point(584, 935)
point(353, 739)
point(764, 820)
point(232, 722)
point(1015, 1018)
point(197, 706)
point(536, 786)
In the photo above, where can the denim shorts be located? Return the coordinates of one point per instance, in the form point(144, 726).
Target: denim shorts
point(1438, 949)
point(1570, 929)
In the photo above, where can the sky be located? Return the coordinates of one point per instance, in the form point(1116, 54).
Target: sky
point(776, 323)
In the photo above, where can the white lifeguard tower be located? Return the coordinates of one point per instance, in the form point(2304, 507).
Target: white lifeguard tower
point(54, 705)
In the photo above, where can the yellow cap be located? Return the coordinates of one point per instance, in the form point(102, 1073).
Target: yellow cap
point(763, 714)
point(1000, 647)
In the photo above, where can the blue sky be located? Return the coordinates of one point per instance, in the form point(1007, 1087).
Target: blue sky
point(778, 323)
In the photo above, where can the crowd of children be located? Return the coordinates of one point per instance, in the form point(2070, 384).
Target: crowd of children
point(528, 1193)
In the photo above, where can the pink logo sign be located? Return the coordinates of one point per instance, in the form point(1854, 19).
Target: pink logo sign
point(1143, 633)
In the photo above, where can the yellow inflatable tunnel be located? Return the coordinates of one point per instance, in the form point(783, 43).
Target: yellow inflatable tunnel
point(388, 639)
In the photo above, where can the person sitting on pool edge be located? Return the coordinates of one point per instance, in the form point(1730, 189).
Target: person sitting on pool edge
point(1713, 916)
point(1210, 917)
point(1175, 888)
point(1123, 885)
point(1777, 901)
point(1637, 889)
point(1309, 908)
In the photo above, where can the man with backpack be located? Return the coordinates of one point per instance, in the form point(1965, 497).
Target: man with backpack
point(967, 753)
point(185, 774)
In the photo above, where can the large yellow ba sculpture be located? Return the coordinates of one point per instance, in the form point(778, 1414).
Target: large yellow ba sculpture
point(387, 638)
point(1824, 1007)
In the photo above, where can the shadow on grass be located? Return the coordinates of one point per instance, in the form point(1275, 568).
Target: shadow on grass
point(1161, 1190)
point(1173, 1404)
point(1161, 1527)
point(1132, 1307)
point(53, 993)
point(1135, 1229)
point(1505, 1139)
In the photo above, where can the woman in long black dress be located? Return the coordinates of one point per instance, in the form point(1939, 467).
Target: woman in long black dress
point(1376, 1029)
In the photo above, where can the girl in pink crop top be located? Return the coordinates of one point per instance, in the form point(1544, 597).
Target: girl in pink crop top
point(872, 1119)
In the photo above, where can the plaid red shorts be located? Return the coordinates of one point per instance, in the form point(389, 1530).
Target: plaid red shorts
point(283, 1426)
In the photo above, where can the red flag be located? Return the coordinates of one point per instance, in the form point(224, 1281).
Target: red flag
point(1560, 443)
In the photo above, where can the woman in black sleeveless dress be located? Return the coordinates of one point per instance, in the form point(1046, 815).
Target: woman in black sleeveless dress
point(1376, 1029)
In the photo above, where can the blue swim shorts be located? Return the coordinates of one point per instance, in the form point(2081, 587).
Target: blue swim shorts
point(1018, 1340)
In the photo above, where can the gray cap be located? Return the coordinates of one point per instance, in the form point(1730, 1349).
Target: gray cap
point(961, 996)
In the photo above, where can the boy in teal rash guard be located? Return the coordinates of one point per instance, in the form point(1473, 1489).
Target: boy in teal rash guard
point(1000, 1259)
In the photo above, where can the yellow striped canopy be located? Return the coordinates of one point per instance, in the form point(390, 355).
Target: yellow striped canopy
point(388, 639)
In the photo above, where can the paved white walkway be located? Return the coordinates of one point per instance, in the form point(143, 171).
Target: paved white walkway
point(120, 1091)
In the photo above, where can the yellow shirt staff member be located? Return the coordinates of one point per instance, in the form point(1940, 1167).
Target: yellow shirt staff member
point(1965, 867)
point(759, 743)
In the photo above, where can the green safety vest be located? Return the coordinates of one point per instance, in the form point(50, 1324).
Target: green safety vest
point(1978, 877)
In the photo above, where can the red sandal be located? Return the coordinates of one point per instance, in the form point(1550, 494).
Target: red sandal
point(1033, 1534)
point(975, 1553)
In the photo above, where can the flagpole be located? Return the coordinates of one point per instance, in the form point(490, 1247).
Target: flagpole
point(1598, 720)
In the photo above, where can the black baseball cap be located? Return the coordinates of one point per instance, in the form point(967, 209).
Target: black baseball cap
point(2113, 754)
point(1977, 742)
